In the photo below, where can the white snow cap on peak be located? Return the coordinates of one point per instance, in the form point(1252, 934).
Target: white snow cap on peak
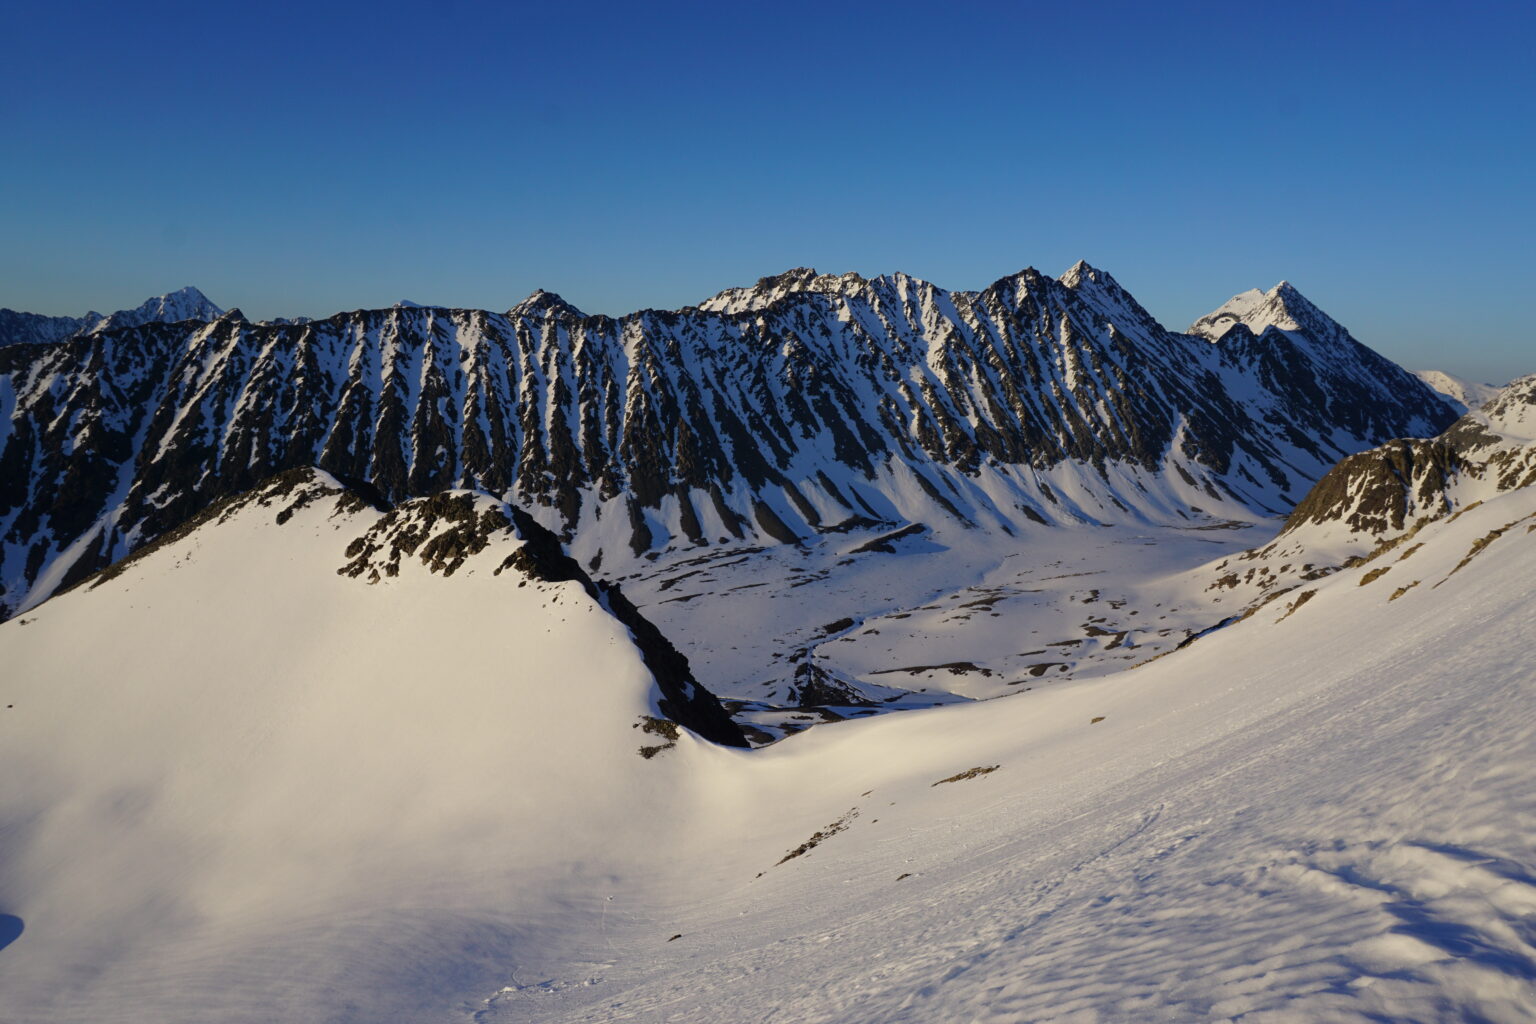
point(542, 301)
point(1282, 306)
point(1083, 274)
point(183, 304)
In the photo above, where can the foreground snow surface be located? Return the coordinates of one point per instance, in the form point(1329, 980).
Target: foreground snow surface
point(251, 791)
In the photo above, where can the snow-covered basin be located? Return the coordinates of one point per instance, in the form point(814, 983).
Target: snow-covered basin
point(252, 790)
point(1330, 817)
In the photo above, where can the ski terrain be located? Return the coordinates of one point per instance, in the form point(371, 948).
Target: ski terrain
point(267, 789)
point(1010, 658)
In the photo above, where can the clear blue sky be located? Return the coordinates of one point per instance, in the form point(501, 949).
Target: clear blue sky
point(303, 159)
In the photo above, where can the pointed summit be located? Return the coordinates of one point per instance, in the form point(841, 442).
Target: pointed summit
point(1282, 307)
point(173, 307)
point(1099, 289)
point(1082, 271)
point(543, 303)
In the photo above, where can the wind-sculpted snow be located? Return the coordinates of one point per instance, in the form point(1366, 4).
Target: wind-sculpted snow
point(764, 416)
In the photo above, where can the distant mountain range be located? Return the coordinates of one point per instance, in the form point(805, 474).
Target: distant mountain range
point(1462, 394)
point(803, 404)
point(32, 328)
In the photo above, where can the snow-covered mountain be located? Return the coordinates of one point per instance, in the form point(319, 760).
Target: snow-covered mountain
point(363, 743)
point(173, 307)
point(806, 404)
point(1370, 507)
point(1462, 394)
point(306, 759)
point(1383, 493)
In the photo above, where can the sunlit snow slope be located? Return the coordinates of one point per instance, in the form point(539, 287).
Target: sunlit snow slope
point(237, 785)
point(1326, 811)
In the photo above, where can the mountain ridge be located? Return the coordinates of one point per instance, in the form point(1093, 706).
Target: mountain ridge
point(1034, 401)
point(17, 327)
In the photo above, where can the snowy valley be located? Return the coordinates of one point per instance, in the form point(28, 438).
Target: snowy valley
point(836, 650)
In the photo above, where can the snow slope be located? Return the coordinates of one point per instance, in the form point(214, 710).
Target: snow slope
point(240, 782)
point(1464, 394)
point(268, 791)
point(1325, 813)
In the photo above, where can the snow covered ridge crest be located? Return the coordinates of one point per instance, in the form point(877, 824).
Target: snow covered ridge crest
point(764, 416)
point(1381, 493)
point(32, 328)
point(444, 534)
point(1464, 395)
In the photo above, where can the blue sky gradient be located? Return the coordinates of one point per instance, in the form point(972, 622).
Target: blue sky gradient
point(307, 159)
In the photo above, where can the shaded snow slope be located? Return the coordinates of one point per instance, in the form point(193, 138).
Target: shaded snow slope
point(774, 414)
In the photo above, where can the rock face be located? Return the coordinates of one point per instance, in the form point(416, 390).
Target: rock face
point(762, 415)
point(1381, 493)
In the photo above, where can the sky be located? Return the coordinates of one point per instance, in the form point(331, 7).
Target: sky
point(306, 159)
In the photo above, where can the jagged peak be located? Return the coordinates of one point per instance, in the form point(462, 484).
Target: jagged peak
point(789, 278)
point(1099, 289)
point(771, 289)
point(1082, 272)
point(187, 300)
point(1283, 307)
point(1298, 305)
point(188, 292)
point(544, 303)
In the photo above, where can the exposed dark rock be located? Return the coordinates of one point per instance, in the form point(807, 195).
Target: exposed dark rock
point(886, 543)
point(801, 390)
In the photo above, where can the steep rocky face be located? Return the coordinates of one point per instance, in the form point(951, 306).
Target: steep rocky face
point(1380, 493)
point(173, 307)
point(763, 415)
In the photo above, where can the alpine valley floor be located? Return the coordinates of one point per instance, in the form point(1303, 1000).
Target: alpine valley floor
point(292, 796)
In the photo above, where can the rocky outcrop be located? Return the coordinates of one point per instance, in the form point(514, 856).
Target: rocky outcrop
point(1385, 491)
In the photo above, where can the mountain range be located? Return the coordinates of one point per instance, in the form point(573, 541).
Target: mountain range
point(765, 415)
point(18, 328)
point(833, 650)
